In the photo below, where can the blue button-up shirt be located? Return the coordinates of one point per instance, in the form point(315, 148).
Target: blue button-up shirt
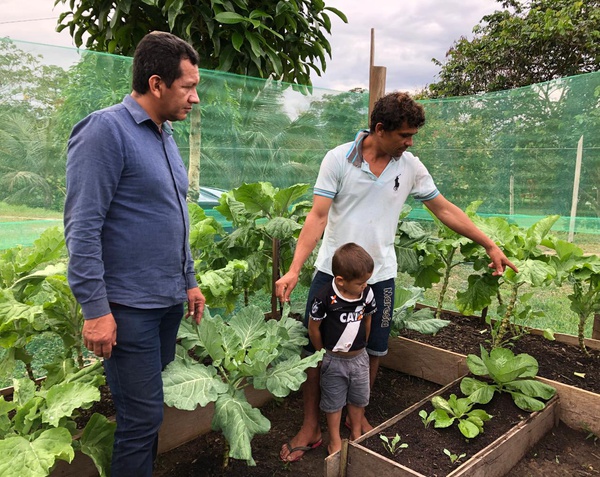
point(126, 218)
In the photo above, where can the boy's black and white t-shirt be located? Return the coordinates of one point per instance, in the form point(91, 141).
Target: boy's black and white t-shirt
point(342, 327)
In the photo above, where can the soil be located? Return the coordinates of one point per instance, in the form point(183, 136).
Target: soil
point(557, 361)
point(562, 452)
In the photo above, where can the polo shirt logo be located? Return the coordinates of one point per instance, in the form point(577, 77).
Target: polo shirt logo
point(397, 182)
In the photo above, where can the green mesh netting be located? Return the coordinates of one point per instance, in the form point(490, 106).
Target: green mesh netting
point(514, 150)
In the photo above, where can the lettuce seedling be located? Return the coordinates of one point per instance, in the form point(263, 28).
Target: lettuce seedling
point(508, 373)
point(446, 412)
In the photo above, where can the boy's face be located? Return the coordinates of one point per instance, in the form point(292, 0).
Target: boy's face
point(352, 288)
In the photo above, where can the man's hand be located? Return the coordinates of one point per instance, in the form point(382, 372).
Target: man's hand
point(499, 261)
point(285, 285)
point(196, 302)
point(100, 335)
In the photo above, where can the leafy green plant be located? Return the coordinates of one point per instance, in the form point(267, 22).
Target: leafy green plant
point(454, 458)
point(246, 350)
point(522, 248)
point(508, 372)
point(436, 255)
point(37, 427)
point(393, 446)
point(266, 221)
point(446, 412)
point(405, 317)
point(35, 298)
point(583, 274)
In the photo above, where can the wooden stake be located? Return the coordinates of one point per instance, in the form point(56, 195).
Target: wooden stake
point(376, 78)
point(575, 189)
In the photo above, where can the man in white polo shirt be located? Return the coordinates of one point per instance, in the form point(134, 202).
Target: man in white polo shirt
point(358, 197)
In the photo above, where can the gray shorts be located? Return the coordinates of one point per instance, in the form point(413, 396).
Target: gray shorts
point(344, 381)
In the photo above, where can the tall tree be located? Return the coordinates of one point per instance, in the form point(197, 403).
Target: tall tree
point(527, 42)
point(283, 40)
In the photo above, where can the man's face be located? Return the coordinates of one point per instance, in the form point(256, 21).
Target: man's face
point(397, 141)
point(177, 101)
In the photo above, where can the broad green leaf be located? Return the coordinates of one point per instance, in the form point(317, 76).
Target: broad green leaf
point(188, 385)
point(468, 428)
point(249, 325)
point(476, 365)
point(538, 231)
point(480, 414)
point(288, 375)
point(22, 458)
point(479, 293)
point(239, 422)
point(533, 272)
point(441, 418)
point(284, 198)
point(477, 391)
point(97, 442)
point(282, 227)
point(230, 18)
point(211, 337)
point(256, 197)
point(527, 403)
point(424, 322)
point(532, 388)
point(440, 403)
point(62, 399)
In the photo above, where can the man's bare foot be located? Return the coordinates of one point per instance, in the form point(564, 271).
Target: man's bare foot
point(300, 444)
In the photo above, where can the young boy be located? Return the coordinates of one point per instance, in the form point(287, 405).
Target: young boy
point(340, 322)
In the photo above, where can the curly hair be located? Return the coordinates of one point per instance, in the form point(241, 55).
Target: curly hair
point(395, 109)
point(160, 53)
point(351, 262)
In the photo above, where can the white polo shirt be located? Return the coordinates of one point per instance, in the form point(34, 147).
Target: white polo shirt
point(366, 208)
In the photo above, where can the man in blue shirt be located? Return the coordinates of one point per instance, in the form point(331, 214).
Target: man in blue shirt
point(126, 228)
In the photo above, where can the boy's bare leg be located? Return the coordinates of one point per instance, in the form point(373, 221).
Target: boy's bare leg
point(356, 415)
point(310, 432)
point(333, 424)
point(373, 368)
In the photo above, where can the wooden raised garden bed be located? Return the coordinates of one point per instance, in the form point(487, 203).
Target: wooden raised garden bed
point(178, 428)
point(494, 460)
point(579, 409)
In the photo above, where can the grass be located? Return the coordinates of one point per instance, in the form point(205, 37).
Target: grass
point(12, 213)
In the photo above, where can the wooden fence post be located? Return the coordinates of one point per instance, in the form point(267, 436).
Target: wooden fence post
point(596, 327)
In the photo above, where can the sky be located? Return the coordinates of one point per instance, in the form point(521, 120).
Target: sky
point(408, 34)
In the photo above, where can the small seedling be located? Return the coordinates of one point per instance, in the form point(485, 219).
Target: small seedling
point(394, 445)
point(455, 459)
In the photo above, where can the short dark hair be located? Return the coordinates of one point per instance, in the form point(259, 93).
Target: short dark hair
point(160, 53)
point(351, 261)
point(395, 109)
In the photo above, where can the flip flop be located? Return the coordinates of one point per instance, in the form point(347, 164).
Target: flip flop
point(304, 449)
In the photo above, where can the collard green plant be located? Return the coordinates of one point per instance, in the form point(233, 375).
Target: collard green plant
point(583, 274)
point(267, 221)
point(246, 350)
point(521, 246)
point(436, 255)
point(446, 412)
point(507, 372)
point(35, 298)
point(37, 426)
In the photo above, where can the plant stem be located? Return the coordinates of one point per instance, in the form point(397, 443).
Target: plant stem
point(448, 261)
point(506, 319)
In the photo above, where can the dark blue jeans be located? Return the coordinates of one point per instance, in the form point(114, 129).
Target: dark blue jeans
point(145, 345)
